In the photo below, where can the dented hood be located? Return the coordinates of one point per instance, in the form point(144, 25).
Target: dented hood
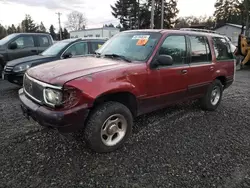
point(60, 72)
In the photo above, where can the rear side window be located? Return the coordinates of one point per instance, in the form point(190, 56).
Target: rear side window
point(96, 45)
point(43, 41)
point(200, 51)
point(222, 49)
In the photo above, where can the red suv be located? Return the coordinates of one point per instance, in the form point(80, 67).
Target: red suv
point(133, 73)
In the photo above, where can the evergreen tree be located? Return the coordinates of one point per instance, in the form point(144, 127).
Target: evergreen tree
point(52, 32)
point(28, 24)
point(42, 28)
point(65, 34)
point(3, 32)
point(228, 11)
point(135, 14)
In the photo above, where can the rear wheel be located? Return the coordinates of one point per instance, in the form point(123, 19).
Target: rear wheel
point(108, 127)
point(213, 97)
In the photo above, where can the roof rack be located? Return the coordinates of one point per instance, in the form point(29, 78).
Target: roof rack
point(199, 30)
point(101, 38)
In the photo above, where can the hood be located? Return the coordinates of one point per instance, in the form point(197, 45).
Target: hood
point(60, 72)
point(30, 59)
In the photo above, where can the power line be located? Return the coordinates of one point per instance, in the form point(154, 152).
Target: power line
point(60, 28)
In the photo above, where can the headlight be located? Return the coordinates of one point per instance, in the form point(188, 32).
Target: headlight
point(52, 97)
point(21, 68)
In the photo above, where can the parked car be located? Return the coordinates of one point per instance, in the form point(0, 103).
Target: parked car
point(134, 73)
point(14, 70)
point(20, 45)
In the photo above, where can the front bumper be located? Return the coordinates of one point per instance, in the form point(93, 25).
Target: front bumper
point(65, 121)
point(15, 78)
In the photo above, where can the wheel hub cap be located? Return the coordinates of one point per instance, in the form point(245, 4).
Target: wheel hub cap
point(113, 129)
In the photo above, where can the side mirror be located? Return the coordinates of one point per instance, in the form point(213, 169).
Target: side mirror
point(163, 60)
point(67, 55)
point(13, 46)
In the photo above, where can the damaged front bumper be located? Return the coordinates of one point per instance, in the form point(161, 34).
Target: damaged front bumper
point(65, 121)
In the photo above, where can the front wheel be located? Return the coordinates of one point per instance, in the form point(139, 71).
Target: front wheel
point(108, 127)
point(212, 98)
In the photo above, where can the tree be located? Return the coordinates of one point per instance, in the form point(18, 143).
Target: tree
point(108, 25)
point(3, 31)
point(228, 11)
point(192, 21)
point(170, 13)
point(28, 25)
point(52, 32)
point(76, 21)
point(42, 29)
point(135, 14)
point(18, 29)
point(65, 34)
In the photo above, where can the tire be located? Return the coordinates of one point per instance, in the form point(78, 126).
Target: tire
point(211, 100)
point(103, 136)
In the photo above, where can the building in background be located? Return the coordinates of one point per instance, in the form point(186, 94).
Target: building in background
point(104, 32)
point(230, 30)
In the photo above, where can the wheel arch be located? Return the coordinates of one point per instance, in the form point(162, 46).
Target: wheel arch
point(124, 97)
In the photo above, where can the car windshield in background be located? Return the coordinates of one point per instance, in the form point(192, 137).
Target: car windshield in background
point(135, 46)
point(55, 48)
point(7, 38)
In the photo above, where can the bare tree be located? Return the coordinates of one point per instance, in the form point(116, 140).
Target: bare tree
point(76, 21)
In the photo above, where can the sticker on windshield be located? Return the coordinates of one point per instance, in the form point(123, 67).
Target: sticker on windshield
point(142, 42)
point(99, 46)
point(136, 37)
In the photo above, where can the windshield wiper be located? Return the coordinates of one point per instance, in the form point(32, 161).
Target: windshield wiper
point(118, 56)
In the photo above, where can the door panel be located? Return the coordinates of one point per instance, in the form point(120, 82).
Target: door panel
point(168, 84)
point(201, 66)
point(25, 47)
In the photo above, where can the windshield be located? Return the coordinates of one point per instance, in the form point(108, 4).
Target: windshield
point(135, 46)
point(7, 39)
point(55, 48)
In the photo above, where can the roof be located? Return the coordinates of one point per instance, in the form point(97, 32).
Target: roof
point(100, 28)
point(31, 33)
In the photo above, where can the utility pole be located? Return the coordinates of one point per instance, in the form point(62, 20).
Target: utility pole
point(59, 19)
point(162, 14)
point(152, 14)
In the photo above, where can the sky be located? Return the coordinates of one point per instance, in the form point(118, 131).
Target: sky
point(97, 12)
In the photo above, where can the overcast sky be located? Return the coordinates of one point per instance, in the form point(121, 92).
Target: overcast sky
point(97, 12)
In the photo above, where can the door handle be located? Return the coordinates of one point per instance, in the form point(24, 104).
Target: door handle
point(33, 50)
point(184, 71)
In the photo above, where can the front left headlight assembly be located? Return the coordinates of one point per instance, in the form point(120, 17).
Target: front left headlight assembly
point(52, 97)
point(21, 68)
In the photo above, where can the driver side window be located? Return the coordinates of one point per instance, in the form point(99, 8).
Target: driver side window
point(78, 49)
point(175, 46)
point(24, 42)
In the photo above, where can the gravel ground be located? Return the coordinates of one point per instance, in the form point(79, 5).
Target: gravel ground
point(178, 147)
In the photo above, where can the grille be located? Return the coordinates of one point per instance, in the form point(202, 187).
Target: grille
point(33, 89)
point(8, 68)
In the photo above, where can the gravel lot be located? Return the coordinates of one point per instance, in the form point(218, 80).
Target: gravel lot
point(178, 147)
